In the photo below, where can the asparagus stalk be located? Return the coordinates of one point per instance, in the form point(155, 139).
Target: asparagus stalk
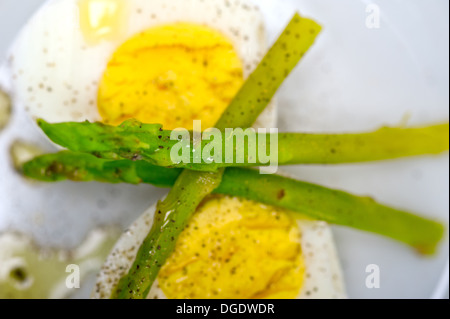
point(192, 187)
point(307, 199)
point(382, 144)
point(334, 206)
point(82, 167)
point(135, 140)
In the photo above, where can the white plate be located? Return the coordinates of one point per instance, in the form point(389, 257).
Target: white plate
point(354, 79)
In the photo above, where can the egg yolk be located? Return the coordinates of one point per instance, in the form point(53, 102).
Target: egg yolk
point(235, 249)
point(171, 75)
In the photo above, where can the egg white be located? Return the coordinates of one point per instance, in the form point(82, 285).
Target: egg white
point(55, 72)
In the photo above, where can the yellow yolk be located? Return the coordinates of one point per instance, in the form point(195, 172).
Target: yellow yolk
point(235, 249)
point(171, 75)
point(102, 19)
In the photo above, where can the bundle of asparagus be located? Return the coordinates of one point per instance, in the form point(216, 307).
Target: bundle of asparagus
point(136, 153)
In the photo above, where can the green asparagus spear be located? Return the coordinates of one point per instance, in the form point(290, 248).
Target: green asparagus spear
point(192, 187)
point(384, 143)
point(317, 202)
point(135, 140)
point(82, 167)
point(333, 206)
